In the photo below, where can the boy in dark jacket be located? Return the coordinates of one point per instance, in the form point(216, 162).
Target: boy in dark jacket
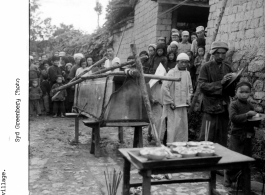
point(58, 101)
point(45, 87)
point(240, 111)
point(35, 94)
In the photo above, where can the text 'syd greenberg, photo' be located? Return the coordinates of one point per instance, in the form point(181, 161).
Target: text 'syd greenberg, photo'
point(14, 136)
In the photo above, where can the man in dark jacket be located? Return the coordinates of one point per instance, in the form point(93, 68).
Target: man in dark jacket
point(213, 76)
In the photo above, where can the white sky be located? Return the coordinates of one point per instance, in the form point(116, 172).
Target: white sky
point(80, 13)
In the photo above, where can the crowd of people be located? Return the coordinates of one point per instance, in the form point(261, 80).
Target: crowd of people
point(181, 57)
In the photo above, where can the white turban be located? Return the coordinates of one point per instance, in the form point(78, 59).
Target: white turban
point(174, 43)
point(78, 55)
point(183, 56)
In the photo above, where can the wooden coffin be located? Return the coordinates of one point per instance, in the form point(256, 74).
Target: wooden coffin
point(116, 99)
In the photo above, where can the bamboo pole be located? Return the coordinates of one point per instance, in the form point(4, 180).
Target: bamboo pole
point(207, 55)
point(89, 68)
point(122, 73)
point(144, 93)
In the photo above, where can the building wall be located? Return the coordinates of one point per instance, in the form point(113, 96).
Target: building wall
point(243, 27)
point(146, 29)
point(143, 31)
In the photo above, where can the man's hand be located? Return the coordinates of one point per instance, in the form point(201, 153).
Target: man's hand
point(172, 106)
point(226, 78)
point(251, 113)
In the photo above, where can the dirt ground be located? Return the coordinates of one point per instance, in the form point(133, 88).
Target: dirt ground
point(57, 167)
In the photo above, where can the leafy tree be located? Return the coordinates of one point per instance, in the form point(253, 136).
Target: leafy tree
point(62, 29)
point(98, 9)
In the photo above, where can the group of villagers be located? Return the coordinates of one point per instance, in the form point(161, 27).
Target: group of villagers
point(182, 57)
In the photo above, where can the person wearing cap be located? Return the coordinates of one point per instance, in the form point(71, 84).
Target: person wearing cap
point(194, 44)
point(77, 58)
point(173, 47)
point(176, 97)
point(161, 40)
point(184, 46)
point(242, 130)
point(193, 36)
point(212, 79)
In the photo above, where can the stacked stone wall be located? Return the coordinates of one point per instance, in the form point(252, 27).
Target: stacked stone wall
point(243, 27)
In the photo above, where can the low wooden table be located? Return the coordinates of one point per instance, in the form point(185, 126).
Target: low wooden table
point(229, 160)
point(95, 125)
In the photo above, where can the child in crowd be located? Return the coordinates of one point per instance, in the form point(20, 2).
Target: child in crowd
point(198, 63)
point(54, 70)
point(171, 57)
point(151, 52)
point(58, 101)
point(160, 57)
point(184, 46)
point(65, 73)
point(173, 47)
point(34, 71)
point(145, 62)
point(242, 130)
point(35, 94)
point(176, 97)
point(193, 36)
point(45, 88)
point(44, 72)
point(83, 66)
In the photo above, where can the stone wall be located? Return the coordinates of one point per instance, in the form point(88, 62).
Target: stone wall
point(143, 31)
point(243, 27)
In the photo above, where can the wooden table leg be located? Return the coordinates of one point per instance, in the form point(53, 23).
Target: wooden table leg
point(246, 185)
point(97, 141)
point(212, 182)
point(138, 137)
point(126, 177)
point(146, 182)
point(121, 135)
point(92, 148)
point(76, 128)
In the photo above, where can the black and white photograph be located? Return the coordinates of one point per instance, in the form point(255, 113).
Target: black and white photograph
point(133, 97)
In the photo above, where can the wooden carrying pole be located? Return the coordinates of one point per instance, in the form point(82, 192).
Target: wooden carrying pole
point(95, 73)
point(144, 93)
point(207, 57)
point(121, 73)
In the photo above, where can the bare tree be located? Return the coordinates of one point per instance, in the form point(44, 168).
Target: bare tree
point(98, 9)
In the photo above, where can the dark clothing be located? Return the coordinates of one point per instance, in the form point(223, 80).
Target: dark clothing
point(158, 60)
point(71, 75)
point(34, 72)
point(238, 117)
point(71, 90)
point(61, 96)
point(58, 106)
point(215, 98)
point(218, 128)
point(35, 93)
point(34, 105)
point(45, 87)
point(53, 72)
point(171, 65)
point(241, 134)
point(215, 101)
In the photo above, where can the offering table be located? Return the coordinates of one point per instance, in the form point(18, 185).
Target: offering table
point(229, 160)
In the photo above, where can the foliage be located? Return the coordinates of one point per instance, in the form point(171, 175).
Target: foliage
point(98, 9)
point(115, 14)
point(39, 29)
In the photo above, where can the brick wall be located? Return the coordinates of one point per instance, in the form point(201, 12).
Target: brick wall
point(243, 27)
point(143, 31)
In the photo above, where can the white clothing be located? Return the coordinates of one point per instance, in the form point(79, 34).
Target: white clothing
point(109, 63)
